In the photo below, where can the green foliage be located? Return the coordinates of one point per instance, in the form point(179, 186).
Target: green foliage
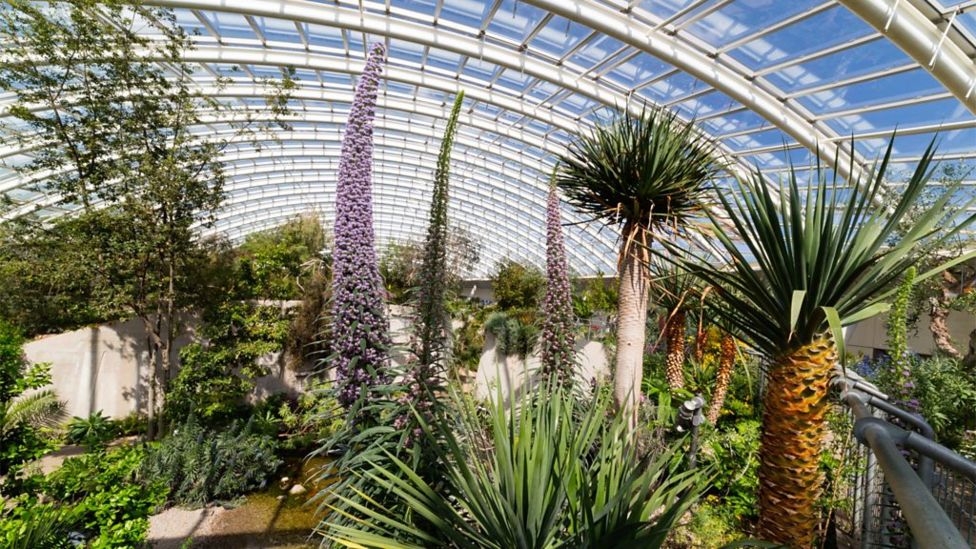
point(301, 424)
point(945, 392)
point(94, 431)
point(824, 257)
point(23, 418)
point(516, 333)
point(469, 338)
point(594, 295)
point(517, 286)
point(202, 466)
point(897, 327)
point(97, 495)
point(553, 473)
point(276, 264)
point(400, 269)
point(734, 452)
point(215, 376)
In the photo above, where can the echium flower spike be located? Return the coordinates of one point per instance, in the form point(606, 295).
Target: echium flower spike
point(431, 319)
point(558, 337)
point(360, 329)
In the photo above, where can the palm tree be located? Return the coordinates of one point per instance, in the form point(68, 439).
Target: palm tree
point(803, 264)
point(648, 175)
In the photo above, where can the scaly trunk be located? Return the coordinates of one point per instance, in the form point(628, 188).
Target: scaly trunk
point(675, 360)
point(790, 481)
point(631, 327)
point(939, 326)
point(726, 363)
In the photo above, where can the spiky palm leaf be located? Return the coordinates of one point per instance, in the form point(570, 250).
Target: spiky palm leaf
point(542, 475)
point(647, 174)
point(810, 260)
point(40, 409)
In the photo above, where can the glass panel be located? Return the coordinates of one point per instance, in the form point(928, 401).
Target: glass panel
point(559, 36)
point(915, 83)
point(743, 17)
point(514, 20)
point(834, 26)
point(873, 56)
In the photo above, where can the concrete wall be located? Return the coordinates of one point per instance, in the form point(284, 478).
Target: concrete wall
point(865, 337)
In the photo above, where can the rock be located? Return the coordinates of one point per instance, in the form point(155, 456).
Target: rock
point(279, 498)
point(284, 480)
point(297, 490)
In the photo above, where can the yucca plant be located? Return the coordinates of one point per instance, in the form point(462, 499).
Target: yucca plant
point(804, 263)
point(647, 175)
point(548, 473)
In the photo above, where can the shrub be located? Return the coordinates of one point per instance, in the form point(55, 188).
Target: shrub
point(202, 466)
point(517, 286)
point(98, 496)
point(735, 455)
point(95, 431)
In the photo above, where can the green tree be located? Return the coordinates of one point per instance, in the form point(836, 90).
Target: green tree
point(646, 174)
point(517, 286)
point(116, 136)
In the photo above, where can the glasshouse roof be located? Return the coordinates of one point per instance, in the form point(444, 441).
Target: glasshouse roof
point(774, 83)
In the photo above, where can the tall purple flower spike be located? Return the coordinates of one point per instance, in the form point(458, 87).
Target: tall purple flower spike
point(360, 329)
point(558, 338)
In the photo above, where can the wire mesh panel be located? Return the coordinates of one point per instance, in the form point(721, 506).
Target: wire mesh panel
point(956, 494)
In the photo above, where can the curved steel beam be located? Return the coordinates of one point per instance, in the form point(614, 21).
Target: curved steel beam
point(908, 28)
point(671, 49)
point(437, 37)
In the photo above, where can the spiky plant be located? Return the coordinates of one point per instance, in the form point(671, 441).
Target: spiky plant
point(360, 331)
point(548, 472)
point(803, 263)
point(647, 175)
point(431, 320)
point(558, 325)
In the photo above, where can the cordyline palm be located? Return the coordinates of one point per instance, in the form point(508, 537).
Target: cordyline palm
point(811, 261)
point(677, 292)
point(648, 175)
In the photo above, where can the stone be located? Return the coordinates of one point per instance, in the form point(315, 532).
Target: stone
point(297, 490)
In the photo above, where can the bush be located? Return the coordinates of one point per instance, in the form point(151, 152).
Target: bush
point(517, 286)
point(97, 495)
point(735, 455)
point(202, 466)
point(215, 377)
point(95, 431)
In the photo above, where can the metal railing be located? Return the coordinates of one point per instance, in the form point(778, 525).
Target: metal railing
point(904, 489)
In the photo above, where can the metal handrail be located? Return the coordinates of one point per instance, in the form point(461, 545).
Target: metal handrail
point(930, 525)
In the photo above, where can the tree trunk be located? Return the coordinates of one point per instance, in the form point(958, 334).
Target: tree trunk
point(725, 365)
point(675, 360)
point(790, 480)
point(939, 315)
point(631, 327)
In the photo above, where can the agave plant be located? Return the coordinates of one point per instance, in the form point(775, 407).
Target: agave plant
point(804, 263)
point(648, 175)
point(552, 472)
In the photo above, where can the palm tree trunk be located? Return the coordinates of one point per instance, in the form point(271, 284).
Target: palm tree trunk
point(725, 364)
point(675, 359)
point(939, 325)
point(631, 327)
point(790, 481)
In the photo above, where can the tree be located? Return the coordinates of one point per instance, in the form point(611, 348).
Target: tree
point(648, 175)
point(516, 285)
point(819, 259)
point(116, 136)
point(676, 292)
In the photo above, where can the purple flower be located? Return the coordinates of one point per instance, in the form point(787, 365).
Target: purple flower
point(360, 329)
point(558, 338)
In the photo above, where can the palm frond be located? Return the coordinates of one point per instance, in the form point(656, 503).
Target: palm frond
point(796, 256)
point(40, 409)
point(640, 171)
